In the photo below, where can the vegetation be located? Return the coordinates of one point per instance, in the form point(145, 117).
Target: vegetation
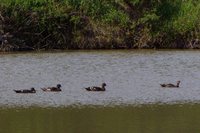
point(99, 24)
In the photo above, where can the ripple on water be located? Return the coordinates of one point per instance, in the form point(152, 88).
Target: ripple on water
point(132, 77)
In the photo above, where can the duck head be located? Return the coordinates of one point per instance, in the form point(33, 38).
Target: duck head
point(59, 85)
point(103, 84)
point(32, 89)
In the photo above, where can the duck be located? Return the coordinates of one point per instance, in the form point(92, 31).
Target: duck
point(54, 89)
point(32, 90)
point(95, 88)
point(171, 85)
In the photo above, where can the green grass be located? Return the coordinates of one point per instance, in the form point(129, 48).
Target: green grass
point(76, 22)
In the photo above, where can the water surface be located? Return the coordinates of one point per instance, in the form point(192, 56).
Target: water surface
point(134, 102)
point(132, 77)
point(144, 119)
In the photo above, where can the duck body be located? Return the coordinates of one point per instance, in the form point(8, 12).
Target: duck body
point(53, 89)
point(171, 85)
point(95, 88)
point(32, 90)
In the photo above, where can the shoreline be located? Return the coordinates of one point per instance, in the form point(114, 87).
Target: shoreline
point(94, 50)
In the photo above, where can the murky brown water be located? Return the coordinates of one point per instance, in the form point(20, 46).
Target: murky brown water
point(144, 119)
point(132, 77)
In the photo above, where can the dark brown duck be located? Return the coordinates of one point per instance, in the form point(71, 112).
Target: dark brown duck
point(32, 90)
point(95, 88)
point(171, 85)
point(53, 89)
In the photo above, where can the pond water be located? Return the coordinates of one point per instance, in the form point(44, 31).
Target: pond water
point(132, 77)
point(129, 119)
point(133, 100)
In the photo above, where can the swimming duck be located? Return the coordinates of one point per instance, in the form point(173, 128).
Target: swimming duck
point(95, 88)
point(57, 88)
point(32, 90)
point(171, 85)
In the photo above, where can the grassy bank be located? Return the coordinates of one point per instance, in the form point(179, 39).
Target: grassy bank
point(99, 24)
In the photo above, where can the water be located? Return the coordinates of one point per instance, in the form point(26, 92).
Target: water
point(133, 100)
point(145, 119)
point(132, 77)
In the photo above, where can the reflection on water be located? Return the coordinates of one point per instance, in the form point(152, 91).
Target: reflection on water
point(129, 119)
point(132, 77)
